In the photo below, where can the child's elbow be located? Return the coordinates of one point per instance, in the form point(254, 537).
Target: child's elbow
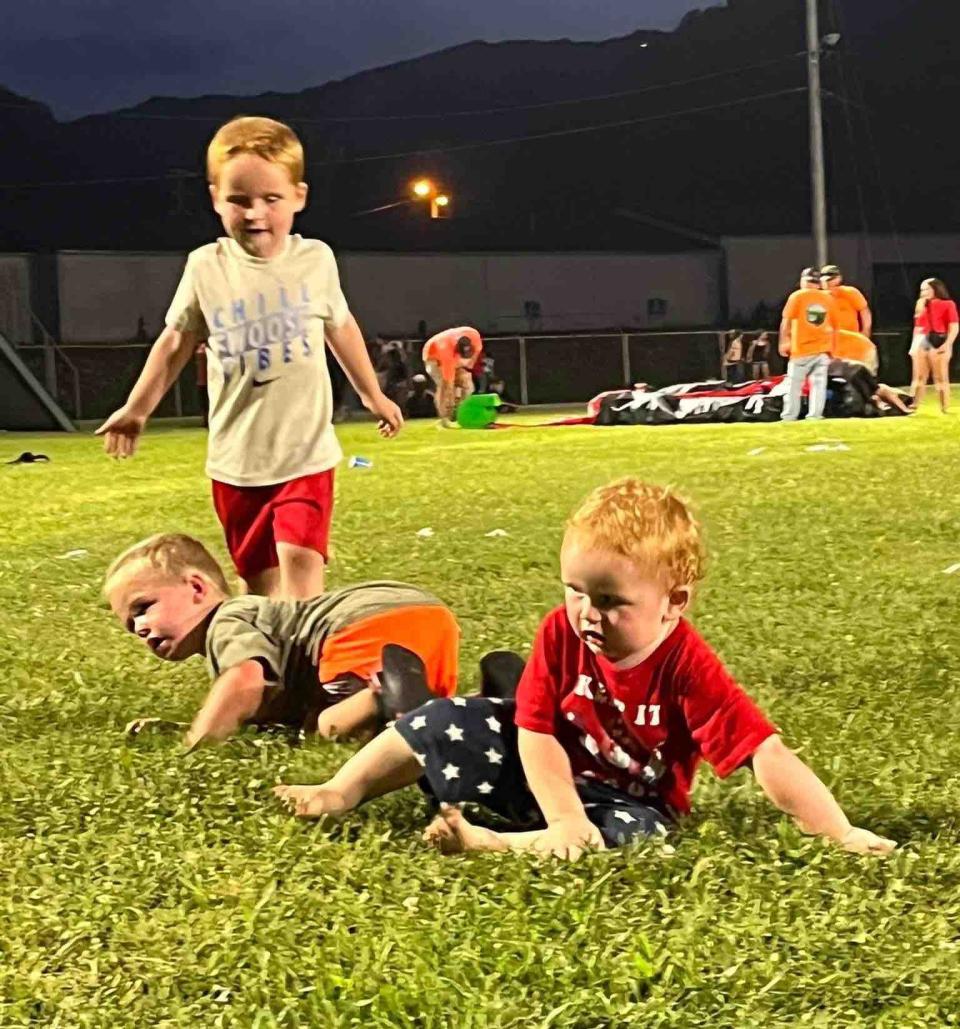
point(772, 748)
point(772, 762)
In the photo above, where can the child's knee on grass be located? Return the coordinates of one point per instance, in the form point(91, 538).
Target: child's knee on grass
point(352, 717)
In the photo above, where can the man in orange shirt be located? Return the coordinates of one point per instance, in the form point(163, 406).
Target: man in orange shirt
point(852, 309)
point(807, 332)
point(448, 357)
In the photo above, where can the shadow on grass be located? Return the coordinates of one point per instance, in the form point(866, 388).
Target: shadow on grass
point(926, 822)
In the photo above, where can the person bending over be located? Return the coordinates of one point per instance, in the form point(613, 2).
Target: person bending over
point(448, 358)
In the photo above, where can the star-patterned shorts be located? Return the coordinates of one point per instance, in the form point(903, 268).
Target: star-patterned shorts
point(469, 752)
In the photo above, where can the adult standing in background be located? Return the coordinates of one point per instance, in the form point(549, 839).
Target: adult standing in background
point(935, 329)
point(448, 357)
point(758, 356)
point(734, 368)
point(852, 311)
point(807, 337)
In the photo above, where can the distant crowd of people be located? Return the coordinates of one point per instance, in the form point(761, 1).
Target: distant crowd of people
point(826, 320)
point(430, 378)
point(747, 356)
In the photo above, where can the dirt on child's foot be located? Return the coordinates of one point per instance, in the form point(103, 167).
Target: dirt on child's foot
point(439, 835)
point(310, 801)
point(451, 833)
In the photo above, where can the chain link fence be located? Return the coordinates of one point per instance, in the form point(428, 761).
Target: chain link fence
point(536, 368)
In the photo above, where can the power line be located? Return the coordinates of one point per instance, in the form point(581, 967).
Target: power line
point(99, 182)
point(602, 127)
point(852, 142)
point(469, 112)
point(874, 152)
point(458, 147)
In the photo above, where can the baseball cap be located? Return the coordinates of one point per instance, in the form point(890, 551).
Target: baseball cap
point(830, 271)
point(810, 273)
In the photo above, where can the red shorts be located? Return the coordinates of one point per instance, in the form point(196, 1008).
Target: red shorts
point(256, 518)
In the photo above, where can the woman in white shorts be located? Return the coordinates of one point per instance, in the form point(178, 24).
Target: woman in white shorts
point(935, 329)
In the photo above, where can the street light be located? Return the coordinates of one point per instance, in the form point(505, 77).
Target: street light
point(420, 189)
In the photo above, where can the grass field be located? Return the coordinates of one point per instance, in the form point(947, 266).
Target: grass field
point(143, 888)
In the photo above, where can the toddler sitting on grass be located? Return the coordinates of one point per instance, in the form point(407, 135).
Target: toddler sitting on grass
point(620, 701)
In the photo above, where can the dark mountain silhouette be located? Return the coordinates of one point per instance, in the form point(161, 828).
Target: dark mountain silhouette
point(721, 149)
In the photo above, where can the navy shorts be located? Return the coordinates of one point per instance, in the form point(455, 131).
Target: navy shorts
point(468, 749)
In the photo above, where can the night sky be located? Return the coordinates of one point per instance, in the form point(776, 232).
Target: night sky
point(83, 56)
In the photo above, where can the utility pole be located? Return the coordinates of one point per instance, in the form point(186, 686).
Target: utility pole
point(817, 171)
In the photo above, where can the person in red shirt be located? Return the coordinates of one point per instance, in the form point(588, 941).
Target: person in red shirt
point(617, 706)
point(448, 358)
point(935, 330)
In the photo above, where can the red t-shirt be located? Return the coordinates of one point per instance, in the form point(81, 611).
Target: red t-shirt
point(643, 729)
point(937, 316)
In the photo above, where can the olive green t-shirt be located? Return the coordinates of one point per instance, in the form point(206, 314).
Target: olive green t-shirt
point(287, 638)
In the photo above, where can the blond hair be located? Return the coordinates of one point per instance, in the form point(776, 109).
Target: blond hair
point(269, 139)
point(648, 524)
point(172, 554)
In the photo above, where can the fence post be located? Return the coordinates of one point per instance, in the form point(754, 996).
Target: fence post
point(524, 392)
point(722, 345)
point(625, 358)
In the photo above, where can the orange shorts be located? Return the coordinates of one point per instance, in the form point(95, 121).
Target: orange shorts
point(429, 630)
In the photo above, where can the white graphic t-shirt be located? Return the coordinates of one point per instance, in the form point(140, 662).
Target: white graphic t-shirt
point(270, 401)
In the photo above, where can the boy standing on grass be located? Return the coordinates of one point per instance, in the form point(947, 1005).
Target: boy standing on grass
point(313, 665)
point(263, 300)
point(618, 704)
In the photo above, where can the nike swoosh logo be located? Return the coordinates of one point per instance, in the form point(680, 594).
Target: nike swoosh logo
point(262, 382)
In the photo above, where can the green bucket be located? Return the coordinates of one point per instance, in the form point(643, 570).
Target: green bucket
point(478, 411)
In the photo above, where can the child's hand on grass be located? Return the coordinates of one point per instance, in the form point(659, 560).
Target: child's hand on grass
point(862, 841)
point(569, 838)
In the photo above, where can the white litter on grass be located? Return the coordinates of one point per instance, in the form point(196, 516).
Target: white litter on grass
point(497, 532)
point(755, 451)
point(72, 554)
point(826, 447)
point(425, 532)
point(952, 570)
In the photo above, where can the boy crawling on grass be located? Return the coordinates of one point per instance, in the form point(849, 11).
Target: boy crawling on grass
point(618, 704)
point(336, 665)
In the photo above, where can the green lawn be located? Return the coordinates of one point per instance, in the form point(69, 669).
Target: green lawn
point(142, 888)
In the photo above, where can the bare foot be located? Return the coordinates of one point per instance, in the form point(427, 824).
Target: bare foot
point(438, 834)
point(459, 835)
point(311, 801)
